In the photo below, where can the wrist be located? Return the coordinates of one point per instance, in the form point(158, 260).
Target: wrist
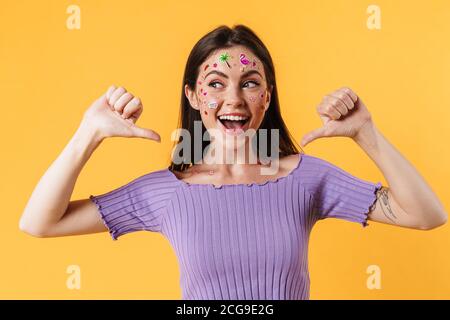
point(367, 135)
point(87, 138)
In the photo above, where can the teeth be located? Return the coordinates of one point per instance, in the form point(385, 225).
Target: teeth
point(233, 118)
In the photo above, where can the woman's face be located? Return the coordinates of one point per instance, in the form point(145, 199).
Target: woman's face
point(231, 91)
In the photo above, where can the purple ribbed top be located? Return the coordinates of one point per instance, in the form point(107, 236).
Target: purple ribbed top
point(239, 241)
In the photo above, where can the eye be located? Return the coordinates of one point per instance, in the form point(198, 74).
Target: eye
point(255, 83)
point(213, 83)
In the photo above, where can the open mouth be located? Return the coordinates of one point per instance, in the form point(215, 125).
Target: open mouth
point(233, 123)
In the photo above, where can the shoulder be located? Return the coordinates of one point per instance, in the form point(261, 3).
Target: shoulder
point(162, 175)
point(311, 162)
point(295, 161)
point(317, 174)
point(155, 183)
point(311, 170)
point(289, 162)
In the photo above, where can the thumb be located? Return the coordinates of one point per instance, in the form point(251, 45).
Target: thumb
point(103, 101)
point(313, 135)
point(145, 133)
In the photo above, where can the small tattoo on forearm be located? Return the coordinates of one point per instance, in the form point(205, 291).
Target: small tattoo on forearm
point(383, 201)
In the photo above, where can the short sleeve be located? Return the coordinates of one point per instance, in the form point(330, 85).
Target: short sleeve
point(337, 193)
point(137, 205)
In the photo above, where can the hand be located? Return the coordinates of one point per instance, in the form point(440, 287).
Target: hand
point(114, 114)
point(343, 114)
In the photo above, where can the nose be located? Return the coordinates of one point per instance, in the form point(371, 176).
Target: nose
point(234, 98)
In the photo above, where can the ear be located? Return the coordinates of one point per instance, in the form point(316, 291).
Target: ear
point(192, 97)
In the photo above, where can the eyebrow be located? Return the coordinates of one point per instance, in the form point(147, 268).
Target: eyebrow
point(248, 73)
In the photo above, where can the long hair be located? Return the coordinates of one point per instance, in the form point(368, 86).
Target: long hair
point(220, 38)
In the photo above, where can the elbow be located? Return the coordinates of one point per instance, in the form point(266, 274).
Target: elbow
point(30, 230)
point(443, 217)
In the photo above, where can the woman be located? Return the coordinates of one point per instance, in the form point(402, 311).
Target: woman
point(237, 232)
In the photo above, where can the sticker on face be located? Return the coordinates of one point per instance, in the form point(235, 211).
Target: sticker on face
point(212, 104)
point(224, 57)
point(243, 59)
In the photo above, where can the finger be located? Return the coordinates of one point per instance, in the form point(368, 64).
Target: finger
point(339, 105)
point(313, 135)
point(350, 92)
point(131, 107)
point(116, 95)
point(110, 91)
point(122, 101)
point(133, 118)
point(145, 133)
point(326, 109)
point(345, 98)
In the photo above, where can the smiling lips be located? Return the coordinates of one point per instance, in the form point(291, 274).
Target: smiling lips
point(233, 123)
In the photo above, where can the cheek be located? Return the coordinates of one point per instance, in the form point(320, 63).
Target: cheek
point(206, 108)
point(257, 100)
point(207, 116)
point(210, 102)
point(208, 105)
point(262, 99)
point(203, 90)
point(257, 107)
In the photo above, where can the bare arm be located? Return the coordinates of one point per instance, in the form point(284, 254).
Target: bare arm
point(49, 211)
point(408, 201)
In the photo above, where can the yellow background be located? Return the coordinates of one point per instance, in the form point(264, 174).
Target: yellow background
point(49, 75)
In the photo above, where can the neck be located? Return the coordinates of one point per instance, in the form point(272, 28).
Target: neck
point(233, 161)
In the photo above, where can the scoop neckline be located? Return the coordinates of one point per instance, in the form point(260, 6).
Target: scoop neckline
point(228, 185)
